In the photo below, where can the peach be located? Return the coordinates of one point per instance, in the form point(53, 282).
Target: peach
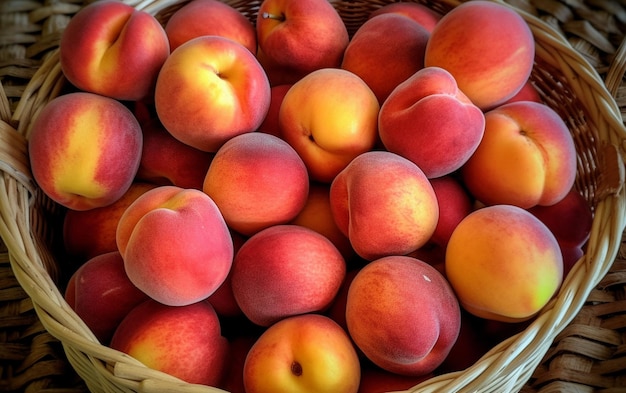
point(111, 48)
point(487, 47)
point(385, 51)
point(503, 263)
point(301, 35)
point(270, 124)
point(304, 353)
point(528, 92)
point(210, 89)
point(376, 380)
point(403, 315)
point(168, 339)
point(223, 299)
point(89, 233)
point(569, 219)
point(527, 157)
point(210, 17)
point(454, 202)
point(329, 117)
point(101, 294)
point(84, 150)
point(257, 180)
point(429, 121)
point(167, 161)
point(286, 270)
point(426, 17)
point(384, 204)
point(175, 244)
point(239, 347)
point(317, 215)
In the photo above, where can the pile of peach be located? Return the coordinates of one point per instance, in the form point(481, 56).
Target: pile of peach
point(281, 207)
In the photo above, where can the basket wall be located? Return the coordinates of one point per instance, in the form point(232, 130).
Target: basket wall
point(566, 81)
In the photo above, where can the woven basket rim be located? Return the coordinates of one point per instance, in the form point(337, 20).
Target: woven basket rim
point(499, 370)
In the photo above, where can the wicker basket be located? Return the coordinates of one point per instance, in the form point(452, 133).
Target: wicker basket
point(567, 82)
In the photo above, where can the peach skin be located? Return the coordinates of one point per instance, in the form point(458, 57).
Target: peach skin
point(385, 51)
point(424, 16)
point(503, 263)
point(429, 121)
point(526, 158)
point(384, 204)
point(329, 117)
point(257, 180)
point(301, 35)
point(403, 315)
point(209, 90)
point(487, 47)
point(210, 17)
point(84, 150)
point(101, 294)
point(112, 49)
point(185, 342)
point(175, 244)
point(286, 270)
point(88, 233)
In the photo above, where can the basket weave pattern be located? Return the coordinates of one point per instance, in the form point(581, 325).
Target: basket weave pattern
point(567, 81)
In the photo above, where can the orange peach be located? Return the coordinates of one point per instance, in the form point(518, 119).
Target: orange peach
point(302, 35)
point(185, 342)
point(89, 233)
point(101, 294)
point(84, 150)
point(527, 157)
point(257, 180)
point(210, 17)
point(329, 117)
point(426, 17)
point(487, 47)
point(301, 354)
point(385, 51)
point(403, 315)
point(111, 48)
point(286, 270)
point(175, 244)
point(210, 89)
point(384, 204)
point(503, 263)
point(167, 161)
point(429, 121)
point(317, 215)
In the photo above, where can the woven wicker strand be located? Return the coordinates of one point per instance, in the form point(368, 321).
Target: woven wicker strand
point(565, 77)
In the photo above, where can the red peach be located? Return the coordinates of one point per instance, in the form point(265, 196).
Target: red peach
point(384, 204)
point(454, 204)
point(426, 17)
point(403, 315)
point(102, 295)
point(84, 150)
point(487, 47)
point(183, 341)
point(167, 161)
point(210, 17)
point(270, 124)
point(385, 51)
point(286, 270)
point(302, 35)
point(111, 48)
point(429, 121)
point(175, 244)
point(89, 233)
point(257, 180)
